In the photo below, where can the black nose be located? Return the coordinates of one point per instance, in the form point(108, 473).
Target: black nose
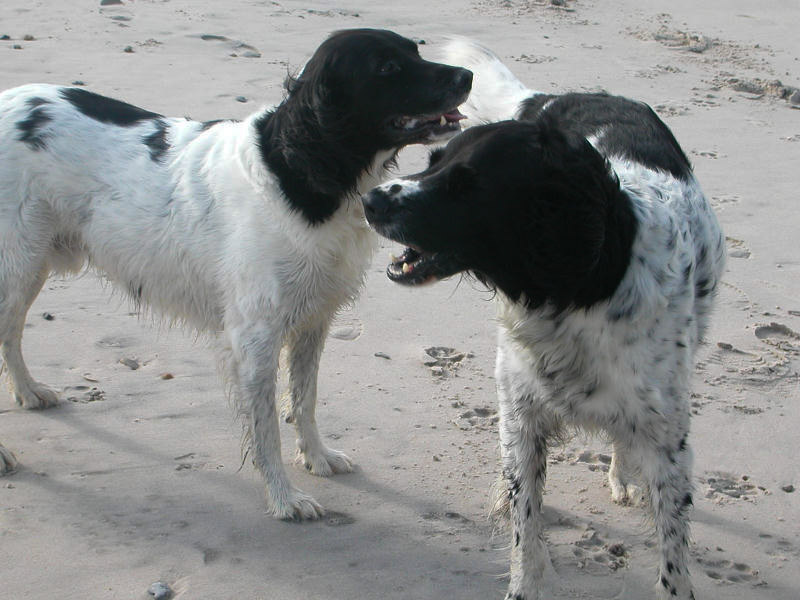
point(463, 79)
point(377, 206)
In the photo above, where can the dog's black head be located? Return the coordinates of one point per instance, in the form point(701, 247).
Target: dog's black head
point(363, 92)
point(376, 83)
point(527, 208)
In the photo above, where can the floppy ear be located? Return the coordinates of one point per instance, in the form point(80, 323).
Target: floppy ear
point(460, 178)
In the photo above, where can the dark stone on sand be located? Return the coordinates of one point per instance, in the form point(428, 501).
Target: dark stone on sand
point(109, 2)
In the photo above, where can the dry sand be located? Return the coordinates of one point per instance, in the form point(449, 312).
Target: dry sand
point(135, 478)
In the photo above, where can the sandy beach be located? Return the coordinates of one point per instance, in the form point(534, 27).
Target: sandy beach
point(137, 476)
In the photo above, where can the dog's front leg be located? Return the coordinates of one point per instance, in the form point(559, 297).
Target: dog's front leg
point(256, 350)
point(525, 428)
point(305, 350)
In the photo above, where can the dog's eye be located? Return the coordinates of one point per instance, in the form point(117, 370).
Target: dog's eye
point(388, 67)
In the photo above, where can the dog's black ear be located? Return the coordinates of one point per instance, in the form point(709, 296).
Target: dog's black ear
point(461, 177)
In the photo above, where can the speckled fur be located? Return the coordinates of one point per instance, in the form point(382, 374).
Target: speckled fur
point(622, 366)
point(616, 359)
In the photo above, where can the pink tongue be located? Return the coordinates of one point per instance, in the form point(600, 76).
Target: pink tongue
point(454, 115)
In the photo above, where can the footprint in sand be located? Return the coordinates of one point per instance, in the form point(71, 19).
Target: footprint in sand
point(114, 341)
point(737, 248)
point(719, 202)
point(724, 570)
point(236, 47)
point(346, 329)
point(596, 556)
point(722, 487)
point(776, 333)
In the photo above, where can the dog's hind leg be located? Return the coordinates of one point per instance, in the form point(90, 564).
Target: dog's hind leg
point(305, 349)
point(18, 290)
point(255, 351)
point(621, 477)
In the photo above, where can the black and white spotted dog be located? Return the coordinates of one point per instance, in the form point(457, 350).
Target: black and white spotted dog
point(585, 216)
point(252, 231)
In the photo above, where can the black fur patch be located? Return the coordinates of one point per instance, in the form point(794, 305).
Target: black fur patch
point(157, 141)
point(30, 128)
point(624, 128)
point(106, 110)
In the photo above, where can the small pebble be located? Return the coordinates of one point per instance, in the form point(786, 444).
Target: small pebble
point(128, 49)
point(16, 47)
point(788, 488)
point(167, 376)
point(383, 355)
point(241, 99)
point(78, 82)
point(109, 2)
point(724, 346)
point(48, 316)
point(131, 363)
point(28, 37)
point(5, 36)
point(794, 99)
point(160, 591)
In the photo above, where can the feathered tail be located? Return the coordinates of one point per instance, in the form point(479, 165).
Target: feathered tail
point(496, 92)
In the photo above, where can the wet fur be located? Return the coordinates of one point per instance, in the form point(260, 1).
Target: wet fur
point(249, 231)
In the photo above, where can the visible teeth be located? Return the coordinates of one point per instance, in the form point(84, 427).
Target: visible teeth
point(442, 121)
point(406, 268)
point(392, 258)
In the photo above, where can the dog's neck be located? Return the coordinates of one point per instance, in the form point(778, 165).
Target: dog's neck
point(317, 165)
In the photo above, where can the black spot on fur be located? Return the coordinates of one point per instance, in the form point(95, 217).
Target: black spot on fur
point(670, 567)
point(664, 582)
point(682, 443)
point(106, 110)
point(157, 141)
point(703, 288)
point(31, 127)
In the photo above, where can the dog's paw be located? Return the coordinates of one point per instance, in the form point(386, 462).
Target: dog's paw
point(35, 396)
point(627, 494)
point(8, 462)
point(295, 505)
point(325, 462)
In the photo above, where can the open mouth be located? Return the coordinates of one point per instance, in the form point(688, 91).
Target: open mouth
point(416, 267)
point(447, 122)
